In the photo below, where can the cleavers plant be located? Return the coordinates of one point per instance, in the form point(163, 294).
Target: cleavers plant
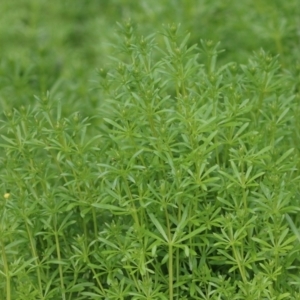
point(184, 184)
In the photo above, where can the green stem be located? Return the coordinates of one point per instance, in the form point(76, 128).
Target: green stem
point(97, 279)
point(37, 261)
point(59, 265)
point(170, 263)
point(133, 207)
point(6, 271)
point(95, 223)
point(170, 270)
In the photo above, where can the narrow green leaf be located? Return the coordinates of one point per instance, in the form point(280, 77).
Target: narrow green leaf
point(79, 287)
point(256, 176)
point(8, 140)
point(229, 176)
point(284, 156)
point(235, 171)
point(159, 227)
point(293, 226)
point(239, 132)
point(184, 42)
point(191, 234)
point(92, 295)
point(282, 115)
point(262, 242)
point(113, 123)
point(108, 207)
point(107, 242)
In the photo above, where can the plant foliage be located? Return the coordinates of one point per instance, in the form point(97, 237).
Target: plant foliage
point(183, 184)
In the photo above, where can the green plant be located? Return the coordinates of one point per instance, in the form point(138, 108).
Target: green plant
point(182, 185)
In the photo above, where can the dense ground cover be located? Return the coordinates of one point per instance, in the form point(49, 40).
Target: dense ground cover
point(141, 159)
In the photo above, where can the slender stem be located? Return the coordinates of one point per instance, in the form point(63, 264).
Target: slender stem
point(133, 207)
point(6, 271)
point(170, 257)
point(37, 261)
point(170, 270)
point(95, 222)
point(59, 265)
point(97, 279)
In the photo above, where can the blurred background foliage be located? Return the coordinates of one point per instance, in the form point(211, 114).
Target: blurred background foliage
point(57, 45)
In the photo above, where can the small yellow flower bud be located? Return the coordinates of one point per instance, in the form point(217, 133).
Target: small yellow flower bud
point(6, 195)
